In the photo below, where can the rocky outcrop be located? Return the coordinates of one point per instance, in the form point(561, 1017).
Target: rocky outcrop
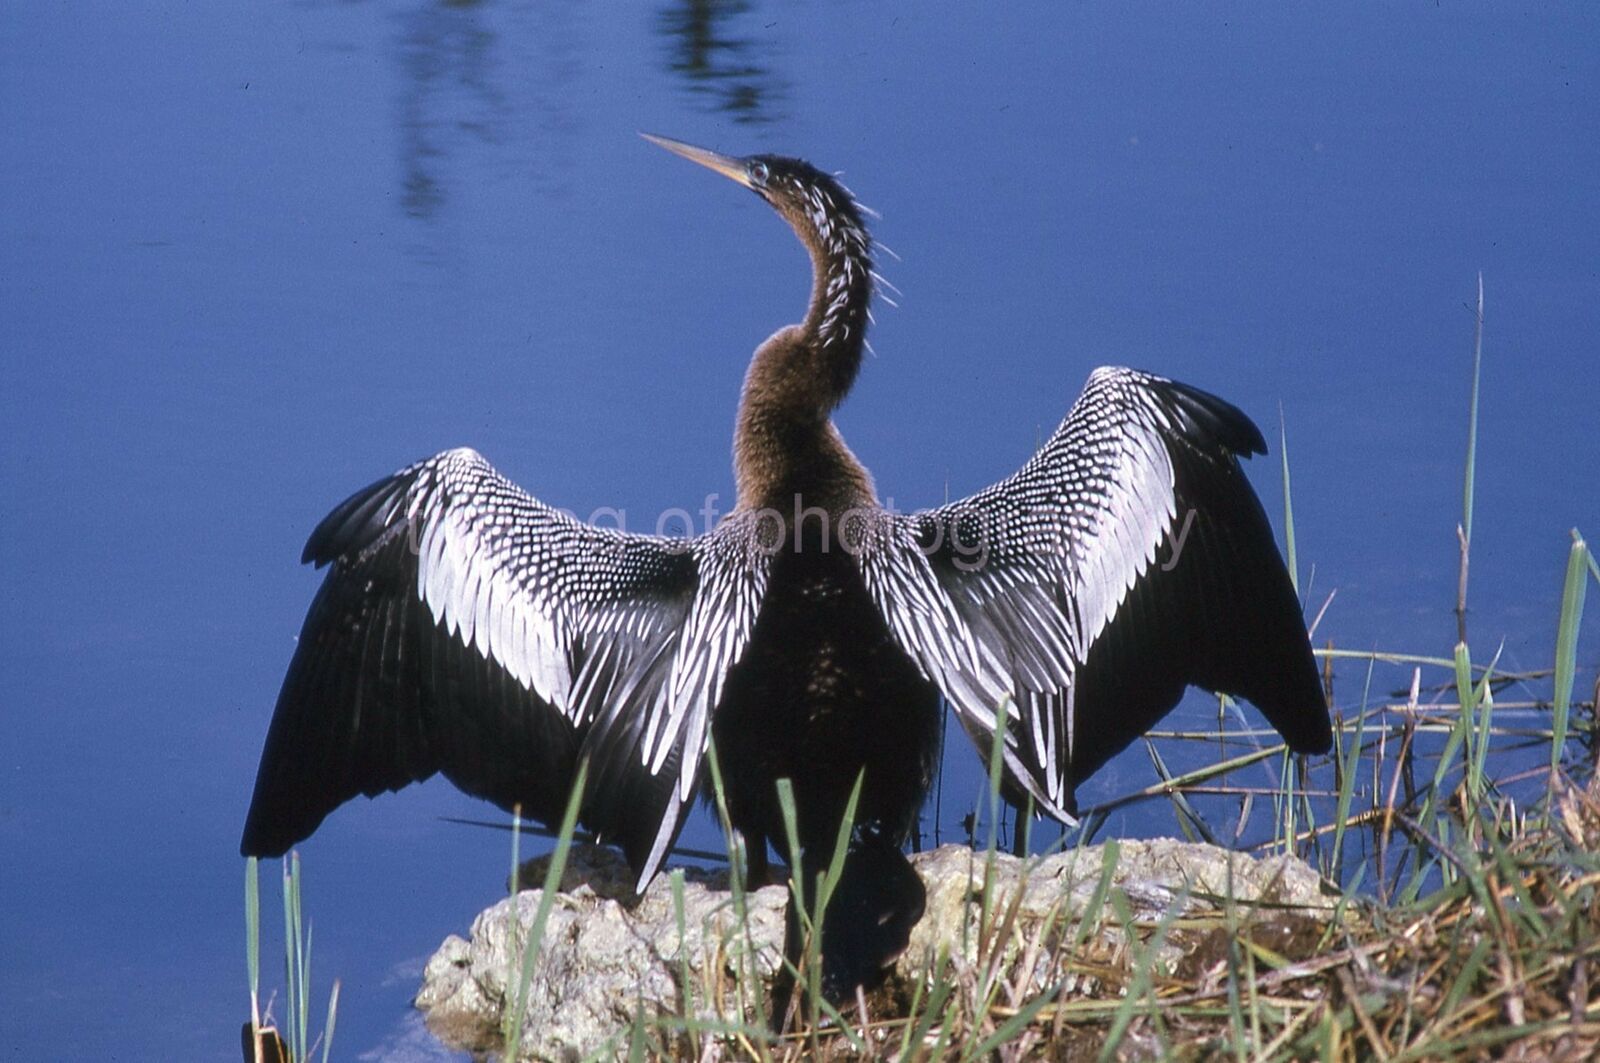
point(605, 956)
point(608, 959)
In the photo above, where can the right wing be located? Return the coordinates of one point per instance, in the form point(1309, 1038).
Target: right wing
point(466, 627)
point(1126, 560)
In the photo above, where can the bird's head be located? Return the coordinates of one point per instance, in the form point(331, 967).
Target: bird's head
point(821, 210)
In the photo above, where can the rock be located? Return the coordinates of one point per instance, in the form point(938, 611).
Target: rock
point(600, 960)
point(608, 956)
point(1156, 877)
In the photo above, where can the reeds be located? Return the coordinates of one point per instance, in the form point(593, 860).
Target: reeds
point(263, 1042)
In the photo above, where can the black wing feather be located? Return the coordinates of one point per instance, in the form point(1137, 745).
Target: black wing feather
point(383, 691)
point(1224, 617)
point(1127, 560)
point(379, 696)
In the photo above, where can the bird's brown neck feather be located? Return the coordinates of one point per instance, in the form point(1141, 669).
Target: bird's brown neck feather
point(785, 446)
point(787, 452)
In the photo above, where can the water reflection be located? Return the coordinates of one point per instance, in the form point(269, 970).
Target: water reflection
point(496, 79)
point(446, 54)
point(469, 67)
point(717, 62)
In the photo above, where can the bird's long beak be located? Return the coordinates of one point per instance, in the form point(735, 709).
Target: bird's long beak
point(726, 165)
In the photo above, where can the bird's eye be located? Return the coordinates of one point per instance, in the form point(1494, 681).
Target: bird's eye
point(759, 172)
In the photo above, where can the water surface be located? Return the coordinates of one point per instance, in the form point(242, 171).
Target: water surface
point(251, 261)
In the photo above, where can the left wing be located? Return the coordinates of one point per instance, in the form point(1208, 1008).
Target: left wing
point(1126, 560)
point(468, 628)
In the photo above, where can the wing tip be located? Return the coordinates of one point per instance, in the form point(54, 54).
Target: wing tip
point(1212, 415)
point(1298, 710)
point(265, 839)
point(1219, 418)
point(1312, 731)
point(358, 521)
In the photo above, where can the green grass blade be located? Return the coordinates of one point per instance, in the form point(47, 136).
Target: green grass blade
point(636, 1040)
point(1526, 910)
point(1460, 736)
point(291, 963)
point(1144, 963)
point(1347, 779)
point(306, 1043)
point(1469, 478)
point(515, 883)
point(829, 881)
point(1472, 418)
point(252, 934)
point(996, 764)
point(807, 975)
point(913, 1016)
point(685, 981)
point(841, 843)
point(752, 993)
point(333, 1018)
point(516, 849)
point(1572, 596)
point(1089, 918)
point(940, 988)
point(1463, 733)
point(1484, 699)
point(1287, 800)
point(552, 881)
point(293, 955)
point(791, 833)
point(1189, 821)
point(1382, 657)
point(1009, 1029)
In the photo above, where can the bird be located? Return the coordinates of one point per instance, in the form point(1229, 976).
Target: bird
point(464, 627)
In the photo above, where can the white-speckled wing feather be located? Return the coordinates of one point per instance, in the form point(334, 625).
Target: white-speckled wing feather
point(615, 646)
point(1023, 591)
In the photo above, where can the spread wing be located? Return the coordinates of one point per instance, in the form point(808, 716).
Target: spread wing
point(1128, 559)
point(466, 627)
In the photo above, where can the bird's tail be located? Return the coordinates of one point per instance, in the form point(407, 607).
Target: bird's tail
point(867, 925)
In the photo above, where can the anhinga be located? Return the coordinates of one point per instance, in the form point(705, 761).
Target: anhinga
point(468, 628)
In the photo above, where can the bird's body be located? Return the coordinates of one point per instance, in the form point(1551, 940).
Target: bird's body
point(467, 628)
point(822, 694)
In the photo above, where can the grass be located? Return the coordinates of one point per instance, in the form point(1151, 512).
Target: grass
point(1462, 857)
point(512, 1017)
point(1475, 938)
point(264, 1041)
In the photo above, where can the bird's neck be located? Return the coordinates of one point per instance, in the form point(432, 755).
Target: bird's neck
point(841, 292)
point(786, 449)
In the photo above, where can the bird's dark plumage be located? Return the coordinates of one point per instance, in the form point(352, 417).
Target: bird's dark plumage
point(468, 628)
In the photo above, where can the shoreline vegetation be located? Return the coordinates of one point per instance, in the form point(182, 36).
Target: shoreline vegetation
point(1455, 828)
point(1126, 950)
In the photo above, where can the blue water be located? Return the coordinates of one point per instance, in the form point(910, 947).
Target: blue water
point(252, 260)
